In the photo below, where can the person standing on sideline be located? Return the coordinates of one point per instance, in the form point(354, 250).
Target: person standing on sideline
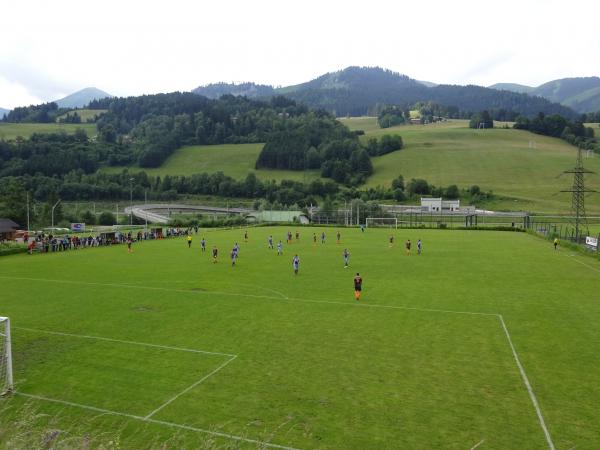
point(189, 240)
point(419, 247)
point(296, 264)
point(555, 243)
point(357, 286)
point(346, 258)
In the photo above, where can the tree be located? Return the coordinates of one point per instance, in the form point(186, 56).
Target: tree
point(14, 198)
point(452, 192)
point(398, 183)
point(418, 186)
point(106, 218)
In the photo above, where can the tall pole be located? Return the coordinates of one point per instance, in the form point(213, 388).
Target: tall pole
point(27, 212)
point(117, 214)
point(131, 201)
point(145, 210)
point(55, 205)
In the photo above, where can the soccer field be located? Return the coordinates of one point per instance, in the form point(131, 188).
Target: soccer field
point(486, 340)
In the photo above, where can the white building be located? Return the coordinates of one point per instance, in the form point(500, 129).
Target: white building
point(439, 205)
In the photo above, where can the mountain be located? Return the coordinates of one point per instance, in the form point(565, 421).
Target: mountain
point(359, 91)
point(581, 94)
point(81, 98)
point(513, 87)
point(3, 111)
point(250, 90)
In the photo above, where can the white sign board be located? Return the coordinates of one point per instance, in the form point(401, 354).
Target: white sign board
point(78, 227)
point(591, 242)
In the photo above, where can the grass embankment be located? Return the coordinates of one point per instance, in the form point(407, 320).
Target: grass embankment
point(423, 362)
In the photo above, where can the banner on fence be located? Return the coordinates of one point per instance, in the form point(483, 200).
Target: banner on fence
point(78, 227)
point(591, 242)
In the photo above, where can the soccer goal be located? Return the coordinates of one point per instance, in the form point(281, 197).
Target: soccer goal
point(6, 379)
point(388, 222)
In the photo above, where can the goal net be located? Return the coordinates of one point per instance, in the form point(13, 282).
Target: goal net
point(6, 380)
point(388, 222)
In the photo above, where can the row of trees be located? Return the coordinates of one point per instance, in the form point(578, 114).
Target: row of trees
point(574, 132)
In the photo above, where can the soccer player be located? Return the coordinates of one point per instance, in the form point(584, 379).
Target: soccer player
point(407, 247)
point(419, 247)
point(236, 247)
point(270, 240)
point(555, 243)
point(203, 244)
point(234, 256)
point(189, 241)
point(346, 258)
point(279, 249)
point(339, 236)
point(129, 242)
point(323, 237)
point(215, 254)
point(314, 238)
point(362, 228)
point(391, 241)
point(297, 235)
point(296, 264)
point(357, 286)
point(246, 236)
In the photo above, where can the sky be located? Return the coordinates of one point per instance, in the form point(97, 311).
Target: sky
point(49, 49)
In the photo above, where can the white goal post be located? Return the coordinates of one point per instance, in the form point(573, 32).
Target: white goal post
point(6, 376)
point(390, 222)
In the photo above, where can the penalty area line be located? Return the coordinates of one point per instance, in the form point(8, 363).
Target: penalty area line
point(189, 388)
point(236, 294)
point(120, 341)
point(158, 422)
point(528, 385)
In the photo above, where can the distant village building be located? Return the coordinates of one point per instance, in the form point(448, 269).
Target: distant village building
point(439, 205)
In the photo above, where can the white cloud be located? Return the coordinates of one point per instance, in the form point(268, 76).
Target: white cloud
point(133, 47)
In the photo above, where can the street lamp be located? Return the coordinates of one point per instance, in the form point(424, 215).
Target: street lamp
point(55, 205)
point(131, 201)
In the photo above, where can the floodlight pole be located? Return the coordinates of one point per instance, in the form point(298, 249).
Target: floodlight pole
point(55, 205)
point(130, 201)
point(27, 212)
point(145, 210)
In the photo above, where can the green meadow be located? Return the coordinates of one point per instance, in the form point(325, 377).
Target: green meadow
point(524, 167)
point(234, 160)
point(162, 348)
point(13, 130)
point(85, 114)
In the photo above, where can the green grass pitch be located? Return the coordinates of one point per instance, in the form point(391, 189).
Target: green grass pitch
point(162, 345)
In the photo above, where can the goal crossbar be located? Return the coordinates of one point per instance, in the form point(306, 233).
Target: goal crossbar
point(381, 221)
point(6, 374)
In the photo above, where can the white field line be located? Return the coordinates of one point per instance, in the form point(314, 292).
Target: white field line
point(99, 338)
point(528, 386)
point(581, 262)
point(478, 444)
point(234, 294)
point(159, 422)
point(515, 355)
point(189, 388)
